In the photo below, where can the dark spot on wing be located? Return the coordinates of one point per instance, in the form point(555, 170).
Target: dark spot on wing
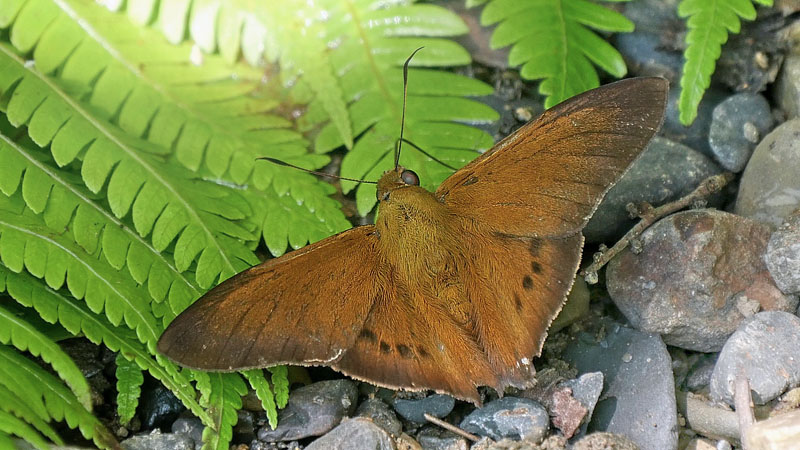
point(527, 282)
point(517, 302)
point(471, 180)
point(422, 352)
point(536, 267)
point(385, 348)
point(368, 335)
point(404, 351)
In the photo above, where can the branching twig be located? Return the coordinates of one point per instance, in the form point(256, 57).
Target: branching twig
point(452, 428)
point(649, 215)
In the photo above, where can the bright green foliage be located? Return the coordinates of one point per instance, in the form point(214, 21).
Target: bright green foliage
point(221, 395)
point(129, 383)
point(709, 23)
point(280, 384)
point(552, 41)
point(264, 393)
point(44, 395)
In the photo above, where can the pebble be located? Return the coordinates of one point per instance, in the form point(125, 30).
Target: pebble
point(783, 255)
point(645, 54)
point(159, 441)
point(765, 349)
point(190, 426)
point(313, 410)
point(508, 417)
point(699, 376)
point(414, 410)
point(788, 86)
point(770, 189)
point(696, 134)
point(737, 125)
point(699, 273)
point(380, 413)
point(639, 399)
point(664, 172)
point(435, 438)
point(158, 407)
point(778, 432)
point(606, 441)
point(354, 434)
point(586, 389)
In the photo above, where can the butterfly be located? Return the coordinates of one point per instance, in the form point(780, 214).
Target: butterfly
point(449, 290)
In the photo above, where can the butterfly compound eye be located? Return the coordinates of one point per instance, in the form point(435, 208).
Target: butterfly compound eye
point(410, 178)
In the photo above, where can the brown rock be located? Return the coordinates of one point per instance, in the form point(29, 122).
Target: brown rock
point(698, 275)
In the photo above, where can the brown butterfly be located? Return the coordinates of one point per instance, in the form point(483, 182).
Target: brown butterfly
point(448, 290)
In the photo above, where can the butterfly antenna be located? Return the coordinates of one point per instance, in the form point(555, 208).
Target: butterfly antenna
point(426, 153)
point(314, 172)
point(403, 115)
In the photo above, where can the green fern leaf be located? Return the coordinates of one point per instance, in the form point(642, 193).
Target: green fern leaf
point(12, 425)
point(60, 197)
point(129, 383)
point(280, 383)
point(223, 398)
point(552, 41)
point(76, 317)
point(264, 393)
point(25, 337)
point(21, 375)
point(709, 23)
point(11, 402)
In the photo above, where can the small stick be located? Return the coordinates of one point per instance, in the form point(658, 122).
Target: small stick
point(649, 215)
point(451, 427)
point(743, 403)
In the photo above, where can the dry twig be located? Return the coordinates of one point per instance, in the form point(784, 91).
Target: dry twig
point(650, 215)
point(744, 406)
point(451, 427)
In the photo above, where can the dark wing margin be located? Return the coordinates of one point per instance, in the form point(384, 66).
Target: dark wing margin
point(546, 179)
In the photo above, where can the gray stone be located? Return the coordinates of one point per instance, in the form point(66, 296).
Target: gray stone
point(788, 86)
point(190, 426)
point(699, 375)
point(646, 55)
point(770, 188)
point(380, 413)
point(698, 275)
point(783, 255)
point(354, 434)
point(312, 411)
point(737, 125)
point(586, 389)
point(435, 438)
point(159, 406)
point(765, 350)
point(779, 432)
point(664, 172)
point(437, 405)
point(159, 441)
point(696, 134)
point(508, 417)
point(639, 398)
point(606, 441)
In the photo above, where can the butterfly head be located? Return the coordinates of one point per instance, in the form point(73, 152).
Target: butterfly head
point(395, 179)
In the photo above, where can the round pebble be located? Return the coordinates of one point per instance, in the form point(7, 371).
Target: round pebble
point(788, 86)
point(783, 255)
point(698, 275)
point(380, 413)
point(765, 350)
point(770, 186)
point(313, 410)
point(437, 405)
point(664, 172)
point(354, 434)
point(696, 134)
point(508, 417)
point(737, 125)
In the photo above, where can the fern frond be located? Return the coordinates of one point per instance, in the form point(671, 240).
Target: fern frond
point(129, 384)
point(709, 23)
point(199, 217)
point(222, 395)
point(76, 317)
point(260, 384)
point(12, 425)
point(19, 374)
point(25, 337)
point(62, 200)
point(553, 40)
point(11, 402)
point(214, 118)
point(280, 383)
